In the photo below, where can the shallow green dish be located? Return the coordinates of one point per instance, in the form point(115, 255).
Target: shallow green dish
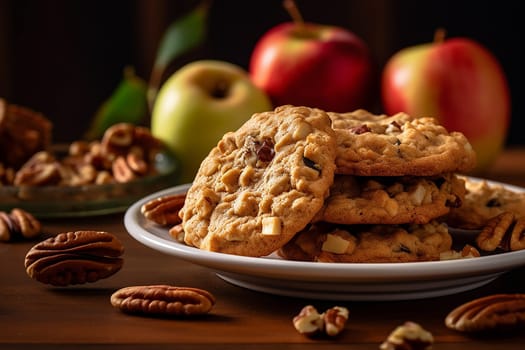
point(87, 200)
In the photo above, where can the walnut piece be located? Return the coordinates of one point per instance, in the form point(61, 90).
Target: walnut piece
point(75, 258)
point(335, 320)
point(497, 311)
point(163, 300)
point(164, 210)
point(18, 224)
point(467, 252)
point(408, 336)
point(310, 322)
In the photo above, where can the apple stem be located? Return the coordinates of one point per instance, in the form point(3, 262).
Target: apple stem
point(439, 35)
point(293, 11)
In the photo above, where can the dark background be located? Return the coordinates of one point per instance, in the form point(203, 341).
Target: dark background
point(64, 58)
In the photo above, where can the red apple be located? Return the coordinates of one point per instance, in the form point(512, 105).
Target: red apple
point(459, 82)
point(314, 65)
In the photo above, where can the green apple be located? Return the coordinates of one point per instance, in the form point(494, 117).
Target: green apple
point(198, 104)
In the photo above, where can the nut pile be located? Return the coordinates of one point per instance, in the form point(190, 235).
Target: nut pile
point(125, 153)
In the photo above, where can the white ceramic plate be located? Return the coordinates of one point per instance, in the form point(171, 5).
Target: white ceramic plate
point(330, 281)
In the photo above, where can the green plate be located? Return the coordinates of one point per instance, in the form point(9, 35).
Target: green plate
point(87, 200)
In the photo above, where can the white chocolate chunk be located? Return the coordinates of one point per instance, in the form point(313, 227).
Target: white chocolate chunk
point(271, 226)
point(335, 244)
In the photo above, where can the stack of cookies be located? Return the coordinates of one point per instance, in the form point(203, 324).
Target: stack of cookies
point(395, 177)
point(319, 186)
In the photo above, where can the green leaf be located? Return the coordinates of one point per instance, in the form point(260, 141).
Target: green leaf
point(127, 104)
point(183, 35)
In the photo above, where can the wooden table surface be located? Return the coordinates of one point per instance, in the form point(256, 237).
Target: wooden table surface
point(34, 315)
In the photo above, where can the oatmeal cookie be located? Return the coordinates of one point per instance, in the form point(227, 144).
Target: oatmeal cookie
point(391, 200)
point(382, 145)
point(262, 183)
point(484, 201)
point(369, 243)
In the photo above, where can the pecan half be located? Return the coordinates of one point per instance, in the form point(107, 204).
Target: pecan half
point(117, 139)
point(163, 300)
point(122, 171)
point(75, 258)
point(497, 311)
point(164, 210)
point(177, 232)
point(18, 224)
point(40, 170)
point(136, 160)
point(144, 139)
point(504, 231)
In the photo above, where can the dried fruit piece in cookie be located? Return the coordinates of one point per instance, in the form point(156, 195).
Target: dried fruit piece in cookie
point(262, 183)
point(497, 311)
point(75, 258)
point(163, 300)
point(391, 200)
point(483, 201)
point(369, 244)
point(397, 145)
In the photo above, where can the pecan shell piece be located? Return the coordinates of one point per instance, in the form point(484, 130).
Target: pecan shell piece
point(497, 311)
point(75, 258)
point(164, 210)
point(163, 300)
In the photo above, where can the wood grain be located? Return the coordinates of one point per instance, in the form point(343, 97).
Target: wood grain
point(34, 315)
